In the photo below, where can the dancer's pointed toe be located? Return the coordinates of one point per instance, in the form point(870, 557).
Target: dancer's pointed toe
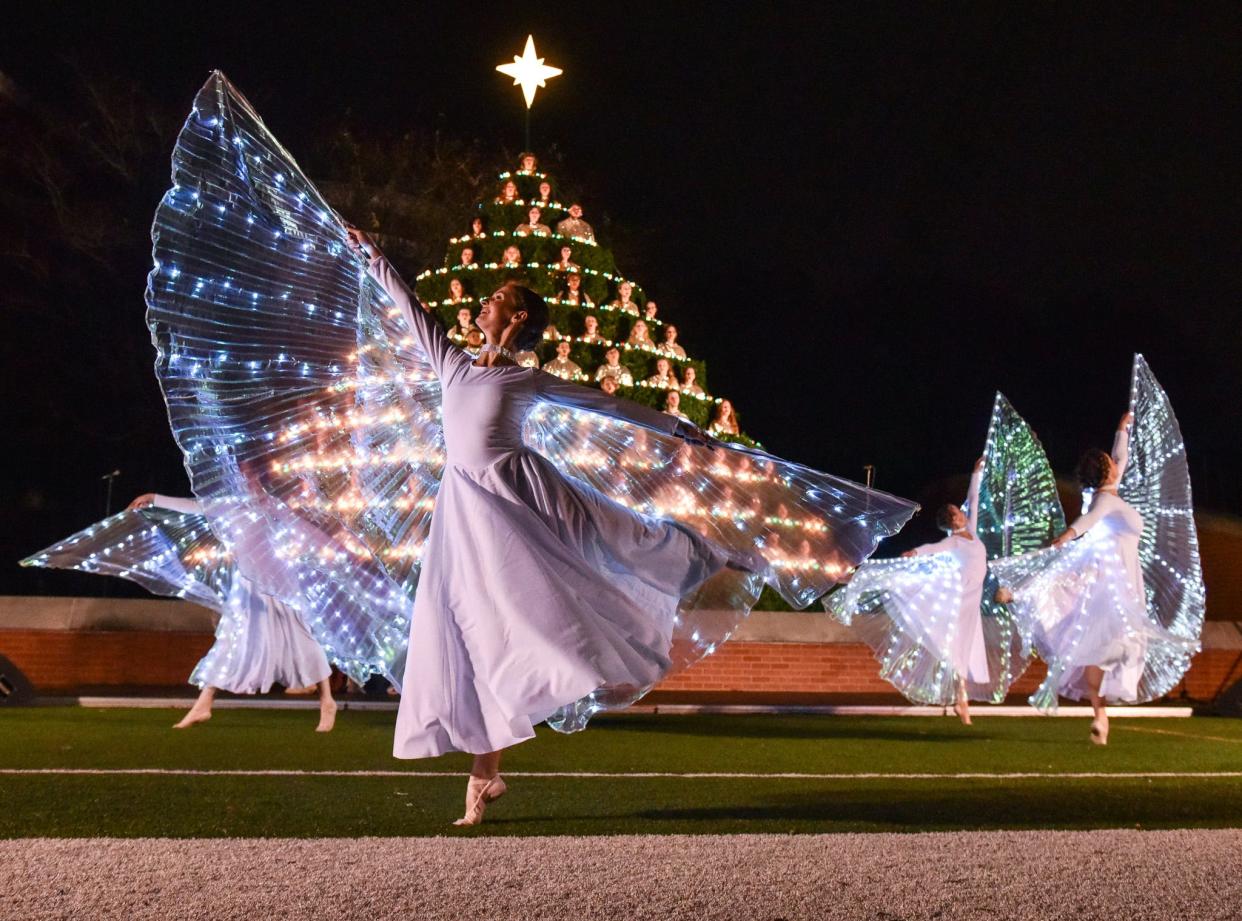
point(327, 716)
point(479, 792)
point(193, 718)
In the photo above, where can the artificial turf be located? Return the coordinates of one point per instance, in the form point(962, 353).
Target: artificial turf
point(305, 806)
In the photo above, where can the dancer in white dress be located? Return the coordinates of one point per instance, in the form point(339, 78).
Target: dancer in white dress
point(1115, 605)
point(260, 641)
point(964, 647)
point(166, 545)
point(921, 614)
point(1093, 629)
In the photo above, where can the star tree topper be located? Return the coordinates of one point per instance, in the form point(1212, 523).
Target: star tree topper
point(529, 72)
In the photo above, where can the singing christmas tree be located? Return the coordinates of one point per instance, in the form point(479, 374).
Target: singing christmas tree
point(527, 232)
point(530, 232)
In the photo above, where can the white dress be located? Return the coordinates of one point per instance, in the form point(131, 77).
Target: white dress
point(535, 590)
point(260, 640)
point(961, 639)
point(922, 616)
point(1084, 604)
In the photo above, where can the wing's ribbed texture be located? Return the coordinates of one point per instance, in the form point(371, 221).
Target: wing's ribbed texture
point(308, 422)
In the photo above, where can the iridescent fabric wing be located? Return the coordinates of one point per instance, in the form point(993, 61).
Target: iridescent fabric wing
point(1019, 511)
point(1156, 481)
point(166, 552)
point(906, 611)
point(800, 530)
point(308, 420)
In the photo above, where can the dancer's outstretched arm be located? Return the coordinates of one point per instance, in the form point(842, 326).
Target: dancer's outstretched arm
point(555, 390)
point(1121, 444)
point(972, 496)
point(172, 503)
point(431, 338)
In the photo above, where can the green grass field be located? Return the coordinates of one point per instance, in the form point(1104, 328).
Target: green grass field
point(417, 803)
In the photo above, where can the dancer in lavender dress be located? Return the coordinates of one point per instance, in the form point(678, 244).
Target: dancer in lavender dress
point(535, 590)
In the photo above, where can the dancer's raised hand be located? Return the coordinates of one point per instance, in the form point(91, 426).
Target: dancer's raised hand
point(145, 500)
point(360, 242)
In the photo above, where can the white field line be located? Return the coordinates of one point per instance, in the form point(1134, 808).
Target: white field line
point(634, 775)
point(178, 703)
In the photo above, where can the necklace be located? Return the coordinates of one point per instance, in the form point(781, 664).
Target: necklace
point(499, 350)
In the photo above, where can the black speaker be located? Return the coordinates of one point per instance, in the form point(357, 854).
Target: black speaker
point(14, 688)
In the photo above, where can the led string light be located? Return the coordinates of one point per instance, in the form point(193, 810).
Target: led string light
point(311, 424)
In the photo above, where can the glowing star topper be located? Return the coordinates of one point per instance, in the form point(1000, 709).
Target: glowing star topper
point(529, 72)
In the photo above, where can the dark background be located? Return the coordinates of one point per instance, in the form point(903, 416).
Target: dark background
point(866, 218)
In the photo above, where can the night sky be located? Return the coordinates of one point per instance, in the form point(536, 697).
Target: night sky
point(865, 218)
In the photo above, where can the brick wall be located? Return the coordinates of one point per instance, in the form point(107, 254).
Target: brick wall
point(57, 661)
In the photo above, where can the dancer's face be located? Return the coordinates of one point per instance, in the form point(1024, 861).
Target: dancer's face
point(500, 313)
point(957, 519)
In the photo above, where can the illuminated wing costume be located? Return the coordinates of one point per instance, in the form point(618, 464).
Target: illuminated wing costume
point(309, 404)
point(1127, 594)
point(172, 551)
point(930, 619)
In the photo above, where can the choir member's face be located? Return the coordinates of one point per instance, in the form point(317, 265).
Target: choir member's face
point(528, 163)
point(609, 385)
point(650, 310)
point(467, 256)
point(640, 330)
point(670, 334)
point(455, 288)
point(534, 215)
point(566, 252)
point(476, 226)
point(575, 211)
point(513, 254)
point(545, 191)
point(689, 375)
point(592, 324)
point(562, 350)
point(626, 290)
point(673, 400)
point(662, 367)
point(574, 282)
point(612, 356)
point(510, 190)
point(463, 318)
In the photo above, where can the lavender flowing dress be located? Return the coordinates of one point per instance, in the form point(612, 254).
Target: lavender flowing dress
point(536, 589)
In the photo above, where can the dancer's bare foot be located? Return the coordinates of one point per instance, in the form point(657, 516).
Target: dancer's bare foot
point(962, 707)
point(479, 792)
point(327, 716)
point(195, 715)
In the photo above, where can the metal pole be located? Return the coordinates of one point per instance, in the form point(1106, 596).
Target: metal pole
point(110, 477)
point(527, 148)
point(869, 474)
